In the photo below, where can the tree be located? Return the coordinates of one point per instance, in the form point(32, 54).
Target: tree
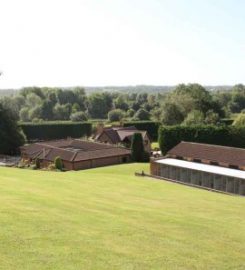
point(75, 108)
point(11, 136)
point(194, 118)
point(47, 110)
point(24, 114)
point(62, 112)
point(137, 147)
point(121, 103)
point(79, 117)
point(240, 120)
point(65, 96)
point(99, 105)
point(115, 115)
point(58, 163)
point(211, 118)
point(130, 113)
point(172, 114)
point(142, 114)
point(33, 100)
point(36, 112)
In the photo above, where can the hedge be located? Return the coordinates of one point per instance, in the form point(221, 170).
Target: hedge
point(55, 130)
point(150, 126)
point(220, 135)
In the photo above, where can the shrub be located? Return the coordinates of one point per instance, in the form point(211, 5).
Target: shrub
point(33, 167)
point(37, 163)
point(115, 115)
point(142, 114)
point(58, 163)
point(130, 113)
point(78, 117)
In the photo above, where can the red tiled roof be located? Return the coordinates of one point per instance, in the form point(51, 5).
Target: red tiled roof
point(222, 155)
point(120, 134)
point(72, 150)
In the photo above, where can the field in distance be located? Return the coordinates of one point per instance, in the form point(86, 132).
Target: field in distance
point(107, 218)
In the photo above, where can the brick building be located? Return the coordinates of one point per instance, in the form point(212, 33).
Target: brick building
point(123, 135)
point(212, 166)
point(75, 154)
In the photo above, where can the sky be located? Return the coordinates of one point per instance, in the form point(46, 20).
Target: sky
point(121, 42)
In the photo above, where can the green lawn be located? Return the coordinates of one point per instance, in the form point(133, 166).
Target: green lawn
point(154, 145)
point(107, 218)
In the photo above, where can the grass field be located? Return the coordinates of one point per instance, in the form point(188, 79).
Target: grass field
point(154, 145)
point(107, 218)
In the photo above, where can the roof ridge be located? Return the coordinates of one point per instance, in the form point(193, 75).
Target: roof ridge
point(214, 145)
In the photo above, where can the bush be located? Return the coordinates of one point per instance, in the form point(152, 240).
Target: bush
point(37, 163)
point(78, 117)
point(55, 130)
point(130, 113)
point(142, 114)
point(58, 163)
point(115, 115)
point(169, 136)
point(33, 167)
point(150, 126)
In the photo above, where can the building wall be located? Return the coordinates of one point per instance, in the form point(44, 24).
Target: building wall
point(205, 179)
point(105, 138)
point(147, 143)
point(87, 164)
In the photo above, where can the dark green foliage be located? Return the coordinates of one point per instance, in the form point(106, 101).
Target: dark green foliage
point(58, 163)
point(11, 136)
point(79, 117)
point(37, 163)
point(150, 126)
point(146, 157)
point(142, 115)
point(227, 121)
point(219, 135)
point(99, 105)
point(115, 115)
point(55, 130)
point(137, 147)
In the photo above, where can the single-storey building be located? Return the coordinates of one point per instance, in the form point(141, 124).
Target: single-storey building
point(216, 167)
point(75, 154)
point(123, 135)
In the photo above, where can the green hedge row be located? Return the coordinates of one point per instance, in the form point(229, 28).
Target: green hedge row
point(220, 135)
point(55, 130)
point(150, 126)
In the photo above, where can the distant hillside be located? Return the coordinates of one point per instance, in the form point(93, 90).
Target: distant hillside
point(125, 89)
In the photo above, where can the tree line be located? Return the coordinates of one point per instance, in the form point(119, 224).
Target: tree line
point(185, 104)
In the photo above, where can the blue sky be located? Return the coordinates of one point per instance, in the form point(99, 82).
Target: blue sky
point(121, 42)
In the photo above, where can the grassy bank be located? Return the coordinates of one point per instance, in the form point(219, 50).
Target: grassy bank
point(107, 218)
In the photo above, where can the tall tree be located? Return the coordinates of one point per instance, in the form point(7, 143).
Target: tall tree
point(137, 147)
point(11, 137)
